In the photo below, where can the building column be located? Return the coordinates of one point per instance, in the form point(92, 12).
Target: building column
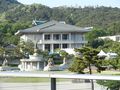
point(61, 40)
point(31, 66)
point(70, 45)
point(52, 49)
point(22, 65)
point(61, 36)
point(70, 40)
point(69, 36)
point(43, 47)
point(61, 45)
point(43, 37)
point(38, 65)
point(52, 36)
point(25, 65)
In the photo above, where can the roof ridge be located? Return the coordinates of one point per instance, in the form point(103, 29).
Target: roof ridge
point(48, 26)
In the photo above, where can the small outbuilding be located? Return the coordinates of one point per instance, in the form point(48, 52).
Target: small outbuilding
point(108, 55)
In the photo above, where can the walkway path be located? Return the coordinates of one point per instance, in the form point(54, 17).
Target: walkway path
point(46, 86)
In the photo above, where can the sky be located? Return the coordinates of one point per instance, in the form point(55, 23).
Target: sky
point(75, 3)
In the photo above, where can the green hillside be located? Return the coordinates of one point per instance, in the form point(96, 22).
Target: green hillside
point(15, 16)
point(7, 4)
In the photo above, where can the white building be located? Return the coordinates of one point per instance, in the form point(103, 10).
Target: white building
point(52, 35)
point(108, 55)
point(114, 38)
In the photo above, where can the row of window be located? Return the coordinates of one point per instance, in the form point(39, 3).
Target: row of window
point(55, 46)
point(117, 38)
point(56, 37)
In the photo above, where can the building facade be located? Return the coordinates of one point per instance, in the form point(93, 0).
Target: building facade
point(114, 38)
point(53, 35)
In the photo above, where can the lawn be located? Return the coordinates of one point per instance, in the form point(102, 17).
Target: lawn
point(29, 80)
point(111, 72)
point(33, 80)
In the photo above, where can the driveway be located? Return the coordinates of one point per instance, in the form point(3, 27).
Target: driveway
point(46, 86)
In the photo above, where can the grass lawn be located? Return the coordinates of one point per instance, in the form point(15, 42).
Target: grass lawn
point(33, 80)
point(111, 72)
point(23, 80)
point(29, 80)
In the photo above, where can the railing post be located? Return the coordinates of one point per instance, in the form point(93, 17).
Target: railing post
point(53, 83)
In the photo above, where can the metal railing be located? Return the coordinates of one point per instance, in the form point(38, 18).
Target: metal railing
point(54, 76)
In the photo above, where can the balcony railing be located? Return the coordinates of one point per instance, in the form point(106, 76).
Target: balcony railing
point(54, 76)
point(59, 41)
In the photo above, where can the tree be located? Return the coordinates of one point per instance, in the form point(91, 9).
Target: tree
point(88, 58)
point(112, 85)
point(63, 54)
point(94, 34)
point(114, 28)
point(96, 43)
point(78, 65)
point(24, 48)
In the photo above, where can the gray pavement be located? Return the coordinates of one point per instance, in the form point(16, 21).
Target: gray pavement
point(46, 86)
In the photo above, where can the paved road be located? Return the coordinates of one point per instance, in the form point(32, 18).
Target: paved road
point(46, 86)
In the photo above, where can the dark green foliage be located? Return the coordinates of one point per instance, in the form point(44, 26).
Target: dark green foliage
point(27, 13)
point(111, 85)
point(114, 28)
point(88, 58)
point(94, 34)
point(24, 48)
point(56, 58)
point(96, 43)
point(8, 4)
point(110, 45)
point(78, 65)
point(63, 53)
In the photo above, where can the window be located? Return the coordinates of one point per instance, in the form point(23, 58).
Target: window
point(117, 38)
point(47, 37)
point(56, 36)
point(65, 36)
point(65, 46)
point(56, 46)
point(83, 38)
point(47, 47)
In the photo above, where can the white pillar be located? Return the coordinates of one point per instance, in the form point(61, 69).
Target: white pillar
point(61, 36)
point(31, 66)
point(38, 66)
point(22, 65)
point(69, 36)
point(25, 66)
point(43, 37)
point(70, 45)
point(61, 40)
point(52, 36)
point(43, 47)
point(61, 45)
point(52, 49)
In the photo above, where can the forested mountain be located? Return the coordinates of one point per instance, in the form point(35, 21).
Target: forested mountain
point(8, 4)
point(15, 16)
point(88, 16)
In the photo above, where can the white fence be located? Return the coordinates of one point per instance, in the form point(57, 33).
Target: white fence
point(54, 76)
